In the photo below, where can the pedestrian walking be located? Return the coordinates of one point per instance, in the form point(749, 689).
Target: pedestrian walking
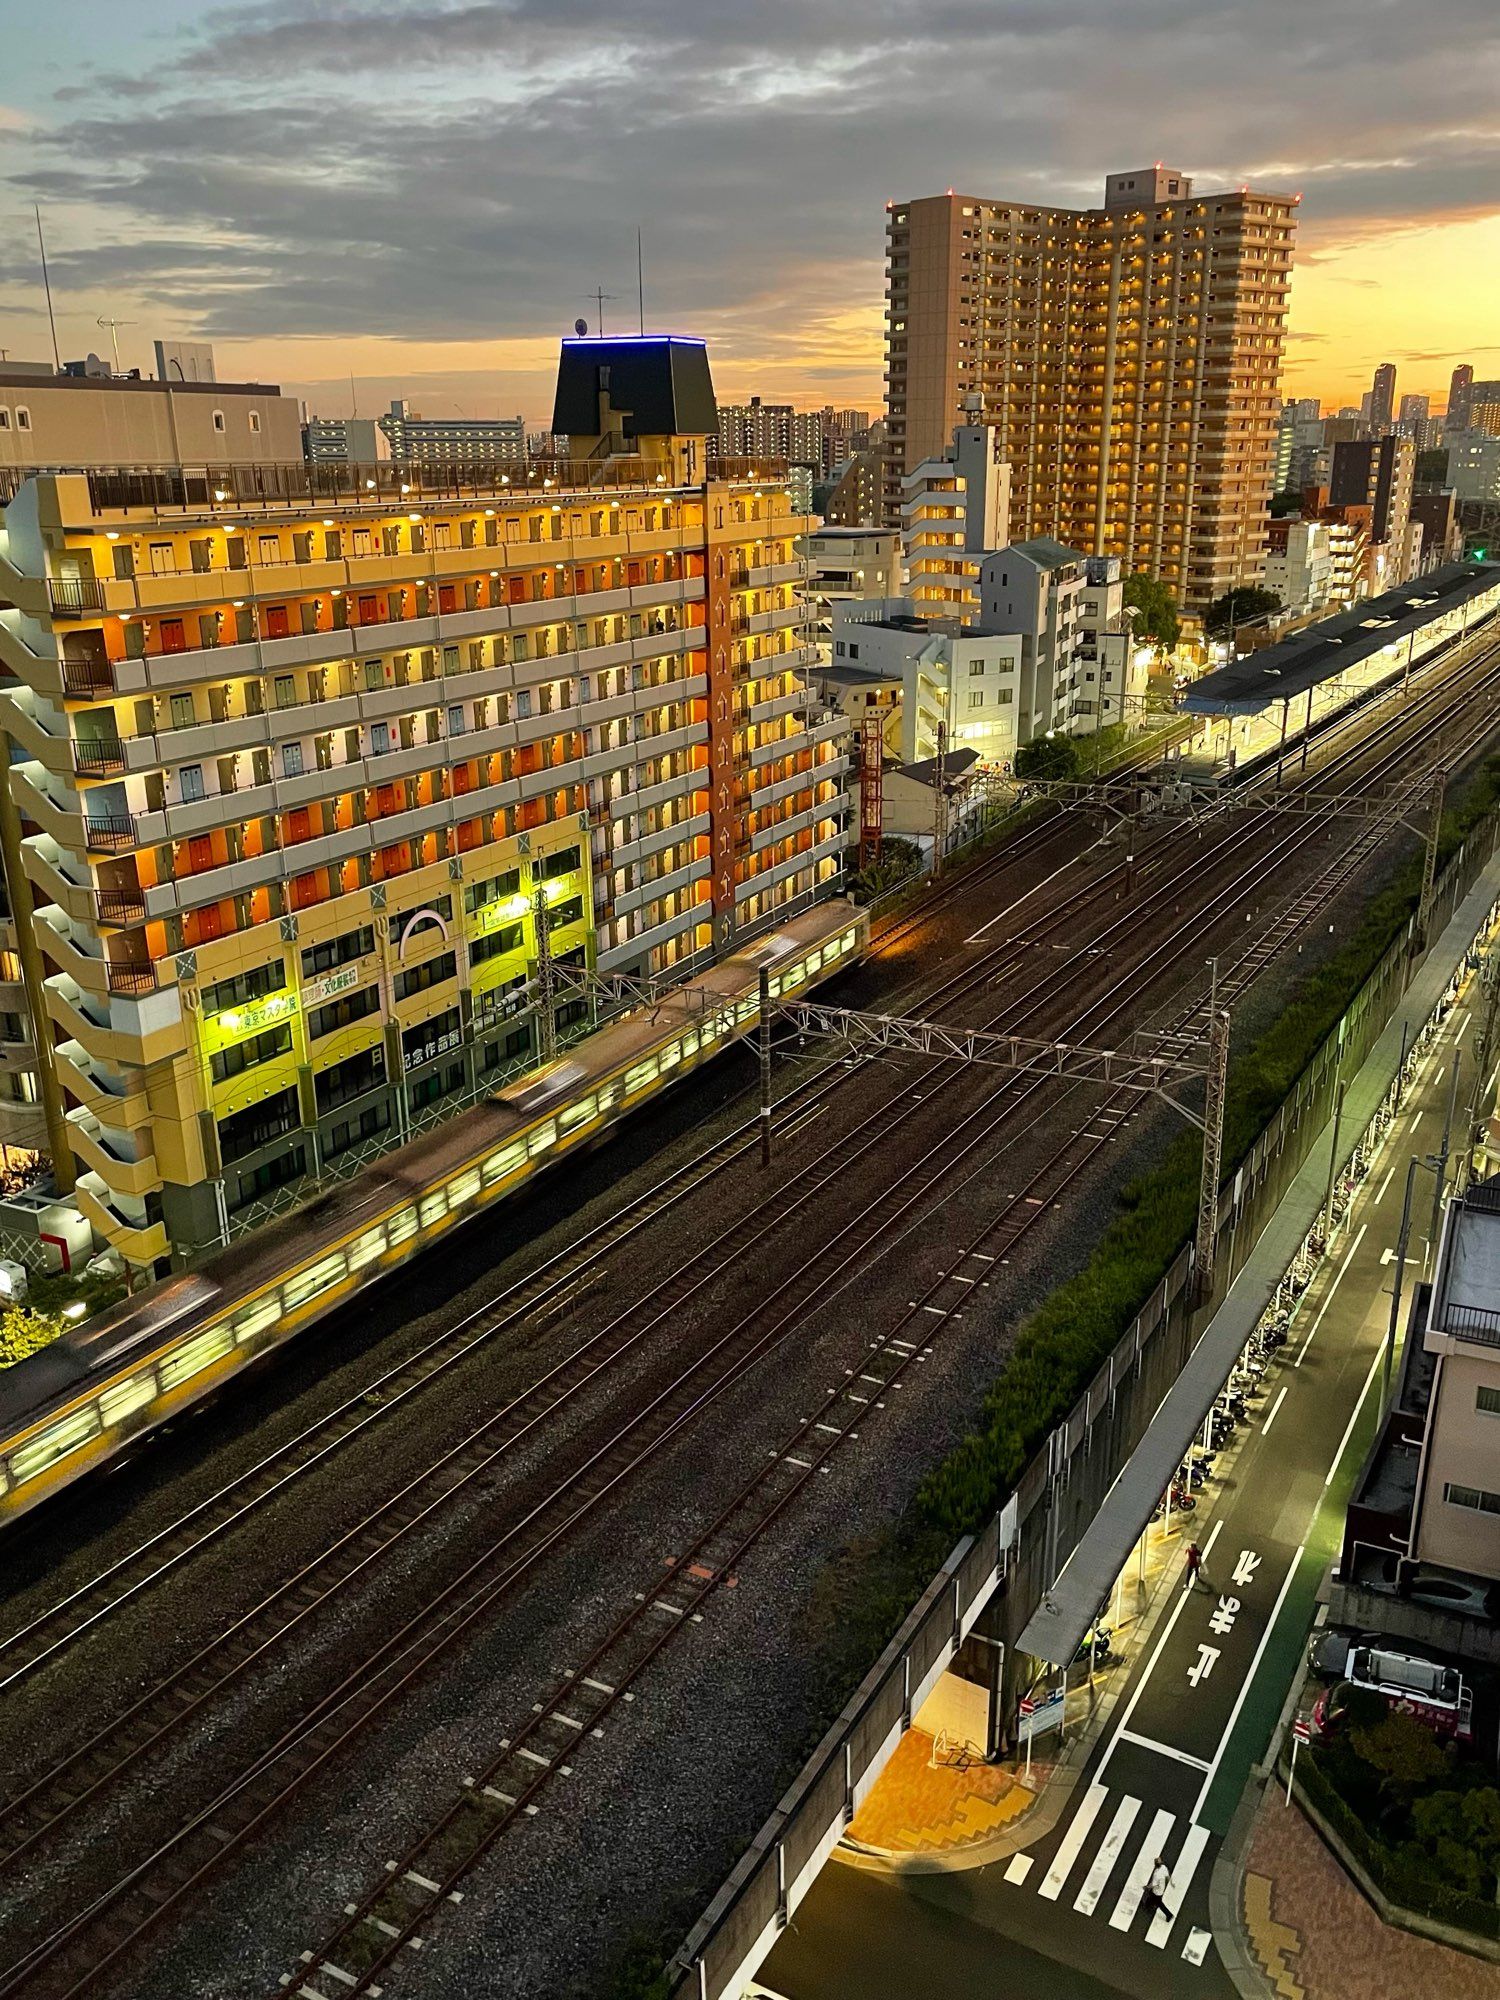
point(1157, 1887)
point(1192, 1557)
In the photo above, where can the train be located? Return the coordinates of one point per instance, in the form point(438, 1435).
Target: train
point(97, 1391)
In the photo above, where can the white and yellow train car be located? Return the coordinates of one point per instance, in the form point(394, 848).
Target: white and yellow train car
point(93, 1393)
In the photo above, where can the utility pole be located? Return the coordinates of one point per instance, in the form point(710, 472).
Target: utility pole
point(940, 803)
point(1213, 1150)
point(765, 1066)
point(546, 1013)
point(47, 286)
point(1429, 861)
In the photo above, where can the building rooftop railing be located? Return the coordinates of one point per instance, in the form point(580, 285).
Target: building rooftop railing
point(249, 489)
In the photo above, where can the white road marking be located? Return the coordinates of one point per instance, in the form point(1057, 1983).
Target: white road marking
point(1123, 1915)
point(1109, 1853)
point(1072, 1841)
point(1249, 1680)
point(1156, 1653)
point(1390, 1174)
point(1163, 1749)
point(1182, 1880)
point(1328, 1301)
point(1353, 1420)
point(1020, 1867)
point(1197, 1946)
point(1271, 1413)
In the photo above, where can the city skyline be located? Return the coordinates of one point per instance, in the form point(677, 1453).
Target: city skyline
point(267, 183)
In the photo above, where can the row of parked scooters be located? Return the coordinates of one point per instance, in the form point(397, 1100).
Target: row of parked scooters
point(1234, 1406)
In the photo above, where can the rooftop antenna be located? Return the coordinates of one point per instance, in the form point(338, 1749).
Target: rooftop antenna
point(47, 286)
point(599, 297)
point(353, 396)
point(640, 279)
point(114, 326)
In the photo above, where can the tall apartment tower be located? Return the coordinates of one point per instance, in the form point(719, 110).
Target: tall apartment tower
point(1460, 389)
point(305, 761)
point(1129, 356)
point(1383, 398)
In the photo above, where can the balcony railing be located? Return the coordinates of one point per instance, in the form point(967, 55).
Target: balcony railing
point(132, 979)
point(74, 596)
point(109, 833)
point(120, 909)
point(99, 757)
point(87, 678)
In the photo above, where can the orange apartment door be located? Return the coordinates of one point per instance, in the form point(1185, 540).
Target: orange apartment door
point(173, 636)
point(200, 853)
point(447, 597)
point(369, 610)
point(276, 622)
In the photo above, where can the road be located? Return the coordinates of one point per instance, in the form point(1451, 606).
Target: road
point(1068, 1919)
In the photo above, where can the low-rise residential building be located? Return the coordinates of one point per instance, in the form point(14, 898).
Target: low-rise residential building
point(94, 417)
point(1299, 562)
point(304, 764)
point(845, 565)
point(960, 687)
point(954, 510)
point(936, 799)
point(1110, 671)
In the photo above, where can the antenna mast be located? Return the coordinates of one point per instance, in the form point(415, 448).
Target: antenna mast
point(640, 278)
point(47, 286)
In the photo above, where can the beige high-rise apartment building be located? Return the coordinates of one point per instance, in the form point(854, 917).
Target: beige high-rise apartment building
point(1129, 355)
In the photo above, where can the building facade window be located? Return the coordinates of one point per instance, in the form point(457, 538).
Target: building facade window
point(1477, 1498)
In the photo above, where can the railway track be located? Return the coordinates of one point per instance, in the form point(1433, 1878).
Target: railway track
point(604, 1468)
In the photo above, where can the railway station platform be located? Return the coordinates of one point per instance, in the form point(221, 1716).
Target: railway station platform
point(1275, 694)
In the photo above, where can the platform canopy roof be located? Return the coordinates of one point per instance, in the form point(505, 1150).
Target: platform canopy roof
point(1319, 652)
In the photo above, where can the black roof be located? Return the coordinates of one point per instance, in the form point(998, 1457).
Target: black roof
point(1333, 645)
point(661, 380)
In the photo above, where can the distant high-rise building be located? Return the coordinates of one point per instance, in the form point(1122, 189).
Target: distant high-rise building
point(1378, 473)
point(774, 430)
point(1383, 398)
point(418, 440)
point(1127, 355)
point(1460, 384)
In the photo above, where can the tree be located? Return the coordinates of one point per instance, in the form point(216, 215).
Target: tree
point(1240, 606)
point(23, 1332)
point(1157, 618)
point(1047, 757)
point(1405, 1752)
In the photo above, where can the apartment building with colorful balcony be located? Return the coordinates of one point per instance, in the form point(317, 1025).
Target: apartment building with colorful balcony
point(302, 757)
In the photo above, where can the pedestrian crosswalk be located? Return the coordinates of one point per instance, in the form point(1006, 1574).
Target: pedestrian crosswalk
point(1106, 1855)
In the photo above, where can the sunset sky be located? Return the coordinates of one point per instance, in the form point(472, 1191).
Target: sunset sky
point(425, 192)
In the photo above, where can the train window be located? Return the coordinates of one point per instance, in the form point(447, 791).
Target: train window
point(708, 1034)
point(541, 1137)
point(365, 1249)
point(464, 1188)
point(670, 1057)
point(577, 1113)
point(122, 1399)
point(690, 1042)
point(608, 1092)
point(255, 1318)
point(194, 1355)
point(433, 1207)
point(638, 1077)
point(317, 1278)
point(498, 1165)
point(748, 1008)
point(400, 1226)
point(48, 1446)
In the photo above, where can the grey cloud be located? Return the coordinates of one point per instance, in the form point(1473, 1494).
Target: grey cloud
point(434, 171)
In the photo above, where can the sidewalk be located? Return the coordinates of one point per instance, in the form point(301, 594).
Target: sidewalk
point(1312, 1935)
point(965, 1813)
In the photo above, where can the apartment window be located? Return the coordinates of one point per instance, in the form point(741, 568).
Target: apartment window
point(219, 424)
point(337, 951)
point(291, 760)
point(258, 1125)
point(441, 906)
point(432, 1038)
point(1487, 1400)
point(565, 913)
point(348, 1079)
point(495, 890)
point(1477, 1498)
point(976, 699)
point(255, 420)
point(509, 937)
point(23, 417)
point(343, 1012)
point(563, 862)
point(374, 1118)
point(420, 977)
point(4, 419)
point(229, 1062)
point(244, 988)
point(190, 782)
point(975, 667)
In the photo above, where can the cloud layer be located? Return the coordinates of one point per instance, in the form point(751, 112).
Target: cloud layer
point(465, 170)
